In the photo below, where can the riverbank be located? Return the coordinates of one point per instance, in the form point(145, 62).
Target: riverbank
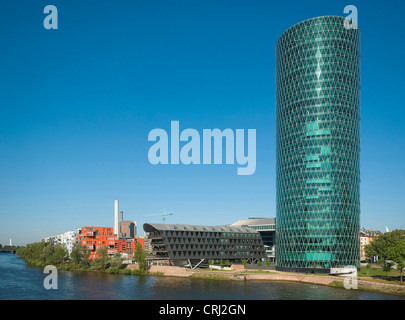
point(363, 283)
point(20, 281)
point(32, 255)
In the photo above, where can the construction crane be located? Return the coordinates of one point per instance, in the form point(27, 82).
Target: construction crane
point(163, 215)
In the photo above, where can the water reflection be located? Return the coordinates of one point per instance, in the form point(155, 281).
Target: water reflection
point(19, 281)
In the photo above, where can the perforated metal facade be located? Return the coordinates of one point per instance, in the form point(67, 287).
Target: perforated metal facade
point(183, 242)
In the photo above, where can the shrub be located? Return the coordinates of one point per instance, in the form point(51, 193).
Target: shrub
point(113, 270)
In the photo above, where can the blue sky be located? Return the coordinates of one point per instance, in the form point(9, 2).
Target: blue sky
point(77, 105)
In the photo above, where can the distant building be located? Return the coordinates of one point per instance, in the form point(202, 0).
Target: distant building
point(366, 237)
point(192, 245)
point(267, 230)
point(127, 229)
point(67, 239)
point(147, 244)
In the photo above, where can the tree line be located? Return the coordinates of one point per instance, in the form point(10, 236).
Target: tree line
point(41, 254)
point(8, 248)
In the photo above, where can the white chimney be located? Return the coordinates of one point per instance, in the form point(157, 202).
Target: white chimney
point(116, 217)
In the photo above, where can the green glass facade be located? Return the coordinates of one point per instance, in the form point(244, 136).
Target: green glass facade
point(318, 145)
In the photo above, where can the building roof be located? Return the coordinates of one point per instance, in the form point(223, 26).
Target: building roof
point(149, 227)
point(370, 233)
point(254, 222)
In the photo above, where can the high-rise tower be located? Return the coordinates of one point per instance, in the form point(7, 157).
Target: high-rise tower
point(318, 145)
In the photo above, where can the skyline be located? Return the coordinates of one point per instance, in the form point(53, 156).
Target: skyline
point(77, 105)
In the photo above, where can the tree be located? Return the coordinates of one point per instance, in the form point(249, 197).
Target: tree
point(244, 262)
point(390, 247)
point(400, 267)
point(102, 262)
point(267, 263)
point(32, 252)
point(80, 255)
point(54, 254)
point(381, 245)
point(116, 261)
point(387, 267)
point(140, 258)
point(396, 253)
point(61, 255)
point(221, 263)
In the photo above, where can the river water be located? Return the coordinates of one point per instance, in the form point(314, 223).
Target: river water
point(23, 282)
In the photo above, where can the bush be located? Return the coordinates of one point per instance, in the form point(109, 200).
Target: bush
point(113, 270)
point(125, 271)
point(138, 272)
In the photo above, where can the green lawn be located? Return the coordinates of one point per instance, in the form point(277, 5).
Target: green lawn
point(378, 273)
point(260, 271)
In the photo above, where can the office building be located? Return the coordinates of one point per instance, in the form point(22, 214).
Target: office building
point(267, 230)
point(318, 146)
point(192, 245)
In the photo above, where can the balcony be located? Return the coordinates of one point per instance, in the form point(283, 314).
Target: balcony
point(155, 236)
point(157, 243)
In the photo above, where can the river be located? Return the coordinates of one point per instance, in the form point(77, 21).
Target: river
point(19, 281)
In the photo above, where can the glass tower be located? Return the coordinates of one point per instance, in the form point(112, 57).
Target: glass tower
point(318, 146)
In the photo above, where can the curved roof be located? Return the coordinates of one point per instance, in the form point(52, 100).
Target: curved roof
point(149, 227)
point(254, 222)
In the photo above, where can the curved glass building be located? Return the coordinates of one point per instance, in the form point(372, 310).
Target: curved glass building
point(318, 146)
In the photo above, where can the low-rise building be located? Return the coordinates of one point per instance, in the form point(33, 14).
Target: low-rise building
point(366, 237)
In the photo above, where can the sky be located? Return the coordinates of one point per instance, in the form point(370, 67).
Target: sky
point(77, 105)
